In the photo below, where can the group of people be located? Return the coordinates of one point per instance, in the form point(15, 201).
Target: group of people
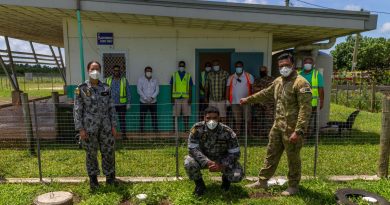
point(212, 144)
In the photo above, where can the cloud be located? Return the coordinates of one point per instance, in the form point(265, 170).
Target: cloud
point(386, 28)
point(352, 7)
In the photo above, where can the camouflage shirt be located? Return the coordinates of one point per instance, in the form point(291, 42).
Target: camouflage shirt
point(94, 108)
point(292, 97)
point(220, 145)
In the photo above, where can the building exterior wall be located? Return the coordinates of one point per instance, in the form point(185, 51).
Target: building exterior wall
point(158, 47)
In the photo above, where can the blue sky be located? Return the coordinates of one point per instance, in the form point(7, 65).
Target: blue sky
point(383, 27)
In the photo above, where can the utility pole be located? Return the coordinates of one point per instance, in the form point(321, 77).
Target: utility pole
point(355, 51)
point(287, 3)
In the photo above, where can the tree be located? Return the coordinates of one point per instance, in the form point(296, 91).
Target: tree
point(373, 53)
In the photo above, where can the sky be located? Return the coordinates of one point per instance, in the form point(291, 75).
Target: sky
point(383, 26)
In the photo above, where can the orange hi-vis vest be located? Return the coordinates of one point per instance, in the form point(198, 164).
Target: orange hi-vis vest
point(248, 84)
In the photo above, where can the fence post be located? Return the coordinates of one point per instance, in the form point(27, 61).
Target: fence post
point(246, 138)
point(177, 147)
point(28, 123)
point(38, 142)
point(347, 93)
point(383, 170)
point(56, 100)
point(373, 90)
point(317, 130)
point(337, 92)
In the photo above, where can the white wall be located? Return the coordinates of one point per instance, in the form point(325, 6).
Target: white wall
point(158, 47)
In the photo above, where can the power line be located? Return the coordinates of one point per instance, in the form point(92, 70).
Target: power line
point(324, 7)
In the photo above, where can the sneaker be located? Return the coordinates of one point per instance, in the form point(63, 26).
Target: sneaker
point(290, 191)
point(260, 184)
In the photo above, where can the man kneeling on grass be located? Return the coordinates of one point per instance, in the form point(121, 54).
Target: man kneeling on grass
point(213, 145)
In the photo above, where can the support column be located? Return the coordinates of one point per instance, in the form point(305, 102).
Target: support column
point(383, 169)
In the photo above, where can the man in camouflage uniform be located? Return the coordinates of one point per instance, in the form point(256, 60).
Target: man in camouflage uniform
point(292, 96)
point(263, 113)
point(95, 119)
point(213, 145)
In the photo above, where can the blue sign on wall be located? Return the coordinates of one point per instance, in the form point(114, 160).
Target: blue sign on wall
point(105, 38)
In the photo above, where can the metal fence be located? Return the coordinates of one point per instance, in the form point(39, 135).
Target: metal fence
point(46, 144)
point(34, 81)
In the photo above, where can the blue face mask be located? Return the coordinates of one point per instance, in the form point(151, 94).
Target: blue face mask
point(239, 70)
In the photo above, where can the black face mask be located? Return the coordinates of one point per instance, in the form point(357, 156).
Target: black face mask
point(263, 74)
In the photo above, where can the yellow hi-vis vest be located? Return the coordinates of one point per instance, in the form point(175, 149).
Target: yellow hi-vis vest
point(122, 89)
point(314, 87)
point(181, 87)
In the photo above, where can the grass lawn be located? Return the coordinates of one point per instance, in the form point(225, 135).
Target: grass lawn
point(333, 160)
point(39, 87)
point(312, 192)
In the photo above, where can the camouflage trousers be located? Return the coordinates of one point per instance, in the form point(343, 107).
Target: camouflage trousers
point(103, 141)
point(278, 142)
point(233, 173)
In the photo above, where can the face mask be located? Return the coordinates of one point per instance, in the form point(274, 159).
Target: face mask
point(216, 68)
point(208, 69)
point(238, 70)
point(285, 71)
point(95, 74)
point(211, 124)
point(181, 69)
point(308, 66)
point(148, 74)
point(263, 73)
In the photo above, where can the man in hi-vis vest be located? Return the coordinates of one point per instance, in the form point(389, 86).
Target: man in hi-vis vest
point(314, 77)
point(120, 91)
point(181, 87)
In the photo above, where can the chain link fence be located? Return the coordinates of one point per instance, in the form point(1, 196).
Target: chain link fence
point(42, 141)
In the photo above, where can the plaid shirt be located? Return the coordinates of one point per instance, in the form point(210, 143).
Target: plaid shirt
point(216, 85)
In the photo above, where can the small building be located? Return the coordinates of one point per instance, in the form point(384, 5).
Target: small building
point(159, 33)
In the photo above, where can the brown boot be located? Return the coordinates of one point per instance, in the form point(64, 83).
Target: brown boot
point(290, 191)
point(259, 184)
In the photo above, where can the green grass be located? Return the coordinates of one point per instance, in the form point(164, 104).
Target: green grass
point(39, 87)
point(333, 160)
point(312, 192)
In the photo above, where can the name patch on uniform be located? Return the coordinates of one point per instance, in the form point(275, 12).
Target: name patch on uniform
point(305, 90)
point(104, 93)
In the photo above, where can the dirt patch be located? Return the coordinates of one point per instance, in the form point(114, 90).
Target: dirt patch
point(257, 195)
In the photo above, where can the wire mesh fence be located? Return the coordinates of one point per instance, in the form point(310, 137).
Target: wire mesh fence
point(347, 142)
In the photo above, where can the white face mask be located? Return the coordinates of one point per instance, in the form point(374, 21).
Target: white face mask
point(95, 74)
point(181, 69)
point(211, 124)
point(238, 70)
point(148, 74)
point(285, 71)
point(307, 66)
point(216, 68)
point(208, 69)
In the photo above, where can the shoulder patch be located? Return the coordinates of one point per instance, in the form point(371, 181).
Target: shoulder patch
point(305, 90)
point(193, 130)
point(77, 91)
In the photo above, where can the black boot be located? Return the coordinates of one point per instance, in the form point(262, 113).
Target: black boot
point(111, 180)
point(200, 187)
point(225, 184)
point(93, 182)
